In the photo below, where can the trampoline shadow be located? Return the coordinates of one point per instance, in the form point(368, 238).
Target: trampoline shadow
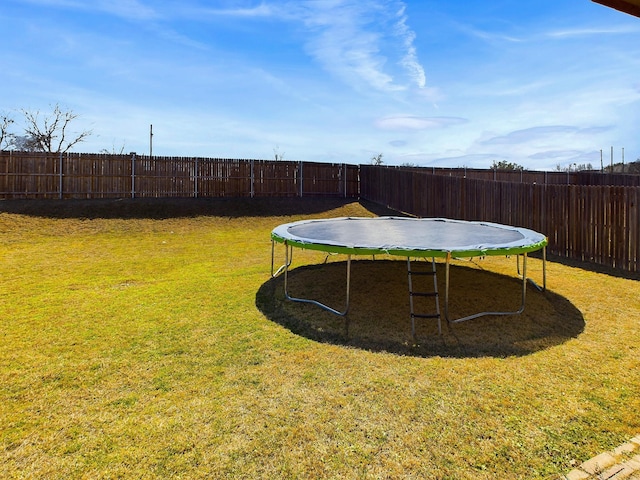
point(379, 318)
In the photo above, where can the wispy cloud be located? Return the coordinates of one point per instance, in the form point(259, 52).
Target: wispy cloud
point(333, 80)
point(488, 36)
point(555, 154)
point(352, 42)
point(128, 9)
point(131, 9)
point(366, 44)
point(540, 133)
point(564, 158)
point(476, 160)
point(410, 58)
point(257, 11)
point(413, 122)
point(588, 32)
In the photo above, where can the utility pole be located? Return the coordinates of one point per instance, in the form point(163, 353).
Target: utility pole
point(611, 160)
point(601, 163)
point(150, 141)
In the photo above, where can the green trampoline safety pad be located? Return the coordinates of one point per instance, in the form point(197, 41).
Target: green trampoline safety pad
point(409, 237)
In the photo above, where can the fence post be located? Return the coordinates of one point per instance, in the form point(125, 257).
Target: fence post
point(300, 176)
point(253, 178)
point(133, 174)
point(195, 178)
point(344, 178)
point(60, 179)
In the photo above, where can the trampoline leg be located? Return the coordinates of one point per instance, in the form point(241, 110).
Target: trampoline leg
point(446, 288)
point(482, 314)
point(544, 269)
point(524, 283)
point(287, 263)
point(282, 267)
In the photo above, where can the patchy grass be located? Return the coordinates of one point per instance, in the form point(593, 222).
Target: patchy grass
point(145, 339)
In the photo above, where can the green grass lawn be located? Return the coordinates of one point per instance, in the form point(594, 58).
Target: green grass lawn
point(146, 339)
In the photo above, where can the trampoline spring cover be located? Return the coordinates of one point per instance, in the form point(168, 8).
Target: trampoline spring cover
point(405, 236)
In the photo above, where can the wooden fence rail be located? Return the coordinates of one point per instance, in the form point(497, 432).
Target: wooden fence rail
point(597, 224)
point(38, 175)
point(587, 177)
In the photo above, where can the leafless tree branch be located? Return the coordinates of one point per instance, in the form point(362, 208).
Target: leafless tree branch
point(51, 132)
point(5, 135)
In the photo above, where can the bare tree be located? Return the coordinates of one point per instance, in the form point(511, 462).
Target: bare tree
point(24, 143)
point(113, 150)
point(5, 136)
point(376, 159)
point(50, 133)
point(279, 156)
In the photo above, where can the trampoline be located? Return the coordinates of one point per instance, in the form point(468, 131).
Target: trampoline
point(410, 238)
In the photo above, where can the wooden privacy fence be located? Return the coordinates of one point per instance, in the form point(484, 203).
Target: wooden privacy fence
point(598, 224)
point(39, 175)
point(586, 215)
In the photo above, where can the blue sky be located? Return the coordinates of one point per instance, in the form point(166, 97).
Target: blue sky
point(542, 83)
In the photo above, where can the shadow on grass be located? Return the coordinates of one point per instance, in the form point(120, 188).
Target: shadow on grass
point(379, 319)
point(594, 267)
point(164, 208)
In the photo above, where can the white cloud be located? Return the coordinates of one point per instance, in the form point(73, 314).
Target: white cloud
point(128, 9)
point(261, 10)
point(555, 154)
point(413, 122)
point(332, 80)
point(410, 58)
point(351, 41)
point(594, 31)
point(541, 134)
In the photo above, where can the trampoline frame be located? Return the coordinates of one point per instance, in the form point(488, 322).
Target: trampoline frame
point(448, 256)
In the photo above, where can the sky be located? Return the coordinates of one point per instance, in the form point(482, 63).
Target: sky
point(545, 84)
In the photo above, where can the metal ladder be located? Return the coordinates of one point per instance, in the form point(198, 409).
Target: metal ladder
point(429, 293)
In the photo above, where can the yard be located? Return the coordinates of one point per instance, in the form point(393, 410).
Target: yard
point(146, 339)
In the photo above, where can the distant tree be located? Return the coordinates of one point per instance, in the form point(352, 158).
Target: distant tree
point(276, 152)
point(504, 165)
point(113, 150)
point(50, 133)
point(25, 143)
point(376, 159)
point(6, 137)
point(574, 167)
point(633, 167)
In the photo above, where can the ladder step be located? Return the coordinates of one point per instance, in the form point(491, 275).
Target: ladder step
point(418, 315)
point(426, 292)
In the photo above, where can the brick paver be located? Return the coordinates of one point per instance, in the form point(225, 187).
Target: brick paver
point(618, 464)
